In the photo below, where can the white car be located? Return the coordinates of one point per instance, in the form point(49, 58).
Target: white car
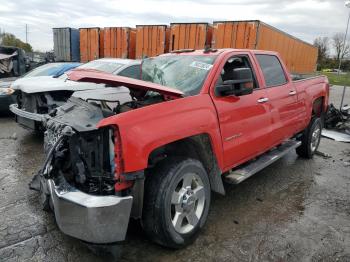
point(37, 96)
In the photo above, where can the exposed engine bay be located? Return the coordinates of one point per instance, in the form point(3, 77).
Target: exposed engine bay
point(77, 150)
point(113, 100)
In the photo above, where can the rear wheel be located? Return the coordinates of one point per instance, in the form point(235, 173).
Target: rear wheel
point(310, 139)
point(177, 199)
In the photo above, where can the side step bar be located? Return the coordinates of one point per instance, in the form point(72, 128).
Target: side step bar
point(245, 171)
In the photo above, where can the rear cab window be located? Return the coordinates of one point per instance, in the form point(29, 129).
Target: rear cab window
point(272, 70)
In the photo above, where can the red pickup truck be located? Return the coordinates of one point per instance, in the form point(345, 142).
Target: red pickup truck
point(154, 149)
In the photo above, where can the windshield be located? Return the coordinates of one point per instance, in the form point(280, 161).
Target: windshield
point(105, 66)
point(46, 70)
point(185, 73)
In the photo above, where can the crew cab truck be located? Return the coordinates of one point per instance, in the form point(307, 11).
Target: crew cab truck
point(195, 119)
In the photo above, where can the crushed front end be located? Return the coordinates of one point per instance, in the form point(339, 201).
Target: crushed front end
point(79, 178)
point(30, 109)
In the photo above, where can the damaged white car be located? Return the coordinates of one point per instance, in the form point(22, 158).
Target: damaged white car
point(37, 97)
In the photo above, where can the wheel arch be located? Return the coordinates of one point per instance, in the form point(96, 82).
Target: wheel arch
point(318, 106)
point(197, 147)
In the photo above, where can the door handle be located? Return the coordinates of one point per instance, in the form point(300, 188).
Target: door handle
point(292, 93)
point(263, 100)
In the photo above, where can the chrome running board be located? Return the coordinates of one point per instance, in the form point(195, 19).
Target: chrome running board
point(245, 171)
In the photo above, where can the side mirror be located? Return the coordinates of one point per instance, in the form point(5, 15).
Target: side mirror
point(242, 83)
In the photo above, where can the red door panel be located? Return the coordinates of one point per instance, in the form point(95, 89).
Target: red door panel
point(245, 126)
point(284, 111)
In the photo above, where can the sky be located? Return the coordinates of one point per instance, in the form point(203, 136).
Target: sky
point(305, 19)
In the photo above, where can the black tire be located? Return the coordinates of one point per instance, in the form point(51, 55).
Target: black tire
point(309, 145)
point(159, 211)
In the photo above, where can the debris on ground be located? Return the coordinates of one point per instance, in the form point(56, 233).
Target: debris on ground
point(335, 117)
point(336, 124)
point(325, 155)
point(13, 137)
point(336, 135)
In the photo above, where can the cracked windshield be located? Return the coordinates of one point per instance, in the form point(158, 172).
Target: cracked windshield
point(185, 73)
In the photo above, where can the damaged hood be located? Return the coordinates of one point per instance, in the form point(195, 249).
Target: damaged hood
point(115, 80)
point(48, 83)
point(76, 113)
point(112, 94)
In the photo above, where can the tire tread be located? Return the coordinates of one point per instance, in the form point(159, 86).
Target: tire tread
point(155, 189)
point(304, 149)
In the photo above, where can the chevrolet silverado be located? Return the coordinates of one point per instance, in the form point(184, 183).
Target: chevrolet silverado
point(154, 149)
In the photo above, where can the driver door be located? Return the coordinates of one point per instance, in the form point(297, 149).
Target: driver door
point(244, 120)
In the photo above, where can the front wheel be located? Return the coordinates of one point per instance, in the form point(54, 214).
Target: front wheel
point(177, 199)
point(310, 139)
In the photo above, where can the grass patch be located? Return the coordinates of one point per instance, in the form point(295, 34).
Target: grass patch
point(335, 79)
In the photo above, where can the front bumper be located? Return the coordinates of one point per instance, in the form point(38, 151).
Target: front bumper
point(94, 219)
point(25, 114)
point(25, 118)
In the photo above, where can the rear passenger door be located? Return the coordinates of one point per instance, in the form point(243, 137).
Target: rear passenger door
point(282, 98)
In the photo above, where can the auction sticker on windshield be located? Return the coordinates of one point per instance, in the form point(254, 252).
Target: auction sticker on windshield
point(201, 65)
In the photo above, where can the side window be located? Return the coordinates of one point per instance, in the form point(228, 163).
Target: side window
point(272, 70)
point(233, 63)
point(132, 72)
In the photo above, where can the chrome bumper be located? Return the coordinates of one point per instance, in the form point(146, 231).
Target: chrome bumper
point(95, 219)
point(22, 113)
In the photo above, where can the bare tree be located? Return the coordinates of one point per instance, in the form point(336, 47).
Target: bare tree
point(341, 50)
point(322, 43)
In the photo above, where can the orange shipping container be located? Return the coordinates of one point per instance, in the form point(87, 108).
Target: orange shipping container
point(101, 43)
point(89, 44)
point(119, 42)
point(151, 40)
point(190, 36)
point(299, 56)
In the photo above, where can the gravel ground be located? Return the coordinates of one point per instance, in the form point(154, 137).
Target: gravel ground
point(294, 210)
